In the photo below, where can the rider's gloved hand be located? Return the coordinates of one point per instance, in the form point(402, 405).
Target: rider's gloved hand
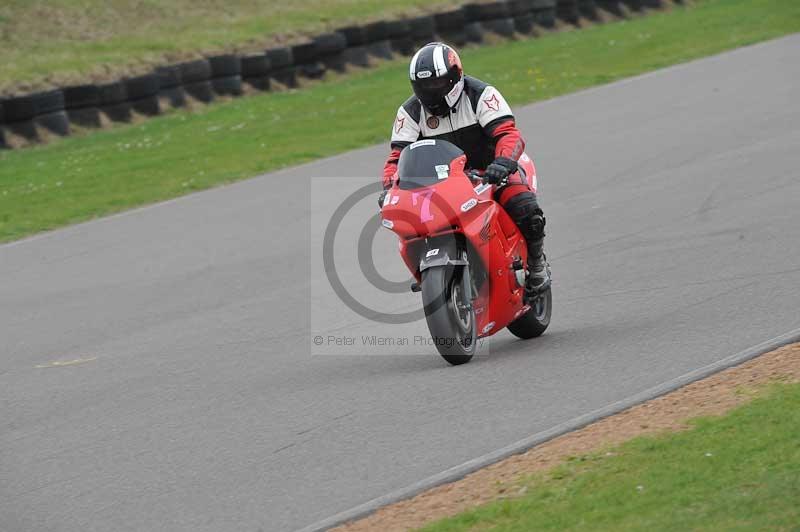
point(381, 198)
point(499, 170)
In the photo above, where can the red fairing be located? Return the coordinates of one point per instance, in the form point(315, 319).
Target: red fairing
point(390, 168)
point(509, 140)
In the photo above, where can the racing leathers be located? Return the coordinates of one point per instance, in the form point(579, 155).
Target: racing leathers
point(483, 126)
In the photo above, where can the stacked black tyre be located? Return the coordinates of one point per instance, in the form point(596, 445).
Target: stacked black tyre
point(378, 43)
point(399, 33)
point(3, 144)
point(143, 94)
point(568, 11)
point(330, 49)
point(453, 28)
point(282, 69)
point(255, 71)
point(522, 13)
point(544, 13)
point(50, 112)
point(82, 104)
point(23, 114)
point(634, 5)
point(226, 74)
point(19, 113)
point(588, 9)
point(114, 102)
point(422, 30)
point(306, 57)
point(493, 16)
point(170, 86)
point(196, 76)
point(355, 52)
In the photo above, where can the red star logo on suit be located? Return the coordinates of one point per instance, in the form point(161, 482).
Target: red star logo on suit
point(492, 103)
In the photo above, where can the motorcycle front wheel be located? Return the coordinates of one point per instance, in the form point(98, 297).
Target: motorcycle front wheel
point(449, 313)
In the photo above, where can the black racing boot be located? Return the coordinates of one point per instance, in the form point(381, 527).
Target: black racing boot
point(538, 270)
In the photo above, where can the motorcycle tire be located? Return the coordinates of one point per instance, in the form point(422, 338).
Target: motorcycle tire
point(452, 330)
point(534, 322)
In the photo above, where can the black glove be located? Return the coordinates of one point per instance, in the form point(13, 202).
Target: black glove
point(497, 172)
point(381, 198)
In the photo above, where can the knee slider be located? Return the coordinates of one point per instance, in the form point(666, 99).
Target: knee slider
point(526, 213)
point(522, 206)
point(537, 223)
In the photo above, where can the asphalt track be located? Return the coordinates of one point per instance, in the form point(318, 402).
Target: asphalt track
point(188, 394)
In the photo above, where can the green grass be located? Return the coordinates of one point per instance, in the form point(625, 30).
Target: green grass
point(79, 178)
point(45, 41)
point(737, 472)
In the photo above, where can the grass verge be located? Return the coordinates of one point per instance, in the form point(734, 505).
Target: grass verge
point(737, 472)
point(70, 40)
point(87, 176)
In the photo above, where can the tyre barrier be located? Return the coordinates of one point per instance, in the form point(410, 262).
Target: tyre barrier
point(49, 112)
point(380, 50)
point(81, 103)
point(330, 47)
point(282, 68)
point(518, 8)
point(195, 76)
point(143, 94)
point(479, 12)
point(114, 102)
point(84, 105)
point(195, 71)
point(422, 30)
point(279, 57)
point(255, 71)
point(567, 10)
point(170, 86)
point(525, 24)
point(544, 13)
point(3, 144)
point(399, 33)
point(356, 56)
point(500, 26)
point(19, 113)
point(634, 5)
point(473, 32)
point(355, 52)
point(612, 6)
point(377, 40)
point(588, 9)
point(450, 26)
point(307, 59)
point(226, 74)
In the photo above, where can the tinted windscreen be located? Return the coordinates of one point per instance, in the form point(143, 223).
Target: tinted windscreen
point(426, 163)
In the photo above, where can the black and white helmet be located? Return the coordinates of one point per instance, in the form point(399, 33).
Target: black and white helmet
point(437, 77)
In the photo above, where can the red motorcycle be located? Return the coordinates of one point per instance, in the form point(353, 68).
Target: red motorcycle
point(465, 252)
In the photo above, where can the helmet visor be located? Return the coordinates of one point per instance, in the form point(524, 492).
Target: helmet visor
point(431, 92)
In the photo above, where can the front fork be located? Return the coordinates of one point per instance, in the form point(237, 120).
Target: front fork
point(445, 252)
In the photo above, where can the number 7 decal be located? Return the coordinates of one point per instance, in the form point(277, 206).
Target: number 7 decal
point(425, 211)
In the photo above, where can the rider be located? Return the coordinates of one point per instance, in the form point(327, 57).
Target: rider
point(475, 117)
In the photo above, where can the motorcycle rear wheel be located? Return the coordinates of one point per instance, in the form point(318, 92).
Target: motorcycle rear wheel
point(534, 322)
point(449, 313)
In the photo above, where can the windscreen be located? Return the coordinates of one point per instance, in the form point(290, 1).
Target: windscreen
point(426, 163)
